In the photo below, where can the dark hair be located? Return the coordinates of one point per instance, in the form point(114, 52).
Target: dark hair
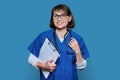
point(66, 9)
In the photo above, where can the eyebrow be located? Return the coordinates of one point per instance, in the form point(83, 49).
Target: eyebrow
point(59, 14)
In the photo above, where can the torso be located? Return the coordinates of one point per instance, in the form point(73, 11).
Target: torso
point(66, 64)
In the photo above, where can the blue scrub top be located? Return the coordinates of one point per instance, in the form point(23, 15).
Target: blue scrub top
point(66, 63)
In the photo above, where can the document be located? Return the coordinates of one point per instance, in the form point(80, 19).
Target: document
point(47, 52)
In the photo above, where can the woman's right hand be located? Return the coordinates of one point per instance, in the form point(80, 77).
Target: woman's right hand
point(49, 66)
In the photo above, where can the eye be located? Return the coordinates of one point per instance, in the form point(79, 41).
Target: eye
point(55, 15)
point(63, 15)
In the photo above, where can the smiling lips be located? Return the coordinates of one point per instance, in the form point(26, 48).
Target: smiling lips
point(59, 22)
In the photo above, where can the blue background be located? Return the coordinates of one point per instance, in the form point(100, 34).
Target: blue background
point(98, 21)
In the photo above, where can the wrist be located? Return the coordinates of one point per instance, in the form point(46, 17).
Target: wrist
point(77, 52)
point(44, 66)
point(41, 65)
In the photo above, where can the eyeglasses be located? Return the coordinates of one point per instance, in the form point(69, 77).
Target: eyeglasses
point(62, 16)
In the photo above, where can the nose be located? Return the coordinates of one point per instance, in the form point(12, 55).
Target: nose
point(59, 17)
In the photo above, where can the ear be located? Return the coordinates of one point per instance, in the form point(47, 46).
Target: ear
point(70, 18)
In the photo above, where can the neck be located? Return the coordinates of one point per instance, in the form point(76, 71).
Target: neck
point(61, 33)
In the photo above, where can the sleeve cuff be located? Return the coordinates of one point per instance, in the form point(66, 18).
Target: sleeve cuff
point(33, 60)
point(82, 65)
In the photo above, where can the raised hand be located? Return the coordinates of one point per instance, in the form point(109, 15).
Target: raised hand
point(74, 45)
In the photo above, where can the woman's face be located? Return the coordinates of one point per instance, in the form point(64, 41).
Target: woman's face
point(60, 19)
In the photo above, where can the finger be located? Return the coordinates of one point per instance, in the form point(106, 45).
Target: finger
point(51, 60)
point(73, 39)
point(51, 70)
point(54, 65)
point(70, 45)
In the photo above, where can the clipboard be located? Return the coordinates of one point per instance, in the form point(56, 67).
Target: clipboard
point(47, 52)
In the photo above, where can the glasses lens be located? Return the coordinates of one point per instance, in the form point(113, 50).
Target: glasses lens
point(62, 16)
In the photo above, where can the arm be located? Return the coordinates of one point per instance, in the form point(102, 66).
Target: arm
point(81, 62)
point(49, 66)
point(82, 65)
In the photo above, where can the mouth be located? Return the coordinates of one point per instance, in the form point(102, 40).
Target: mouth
point(59, 23)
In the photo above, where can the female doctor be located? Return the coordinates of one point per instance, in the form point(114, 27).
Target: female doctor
point(70, 45)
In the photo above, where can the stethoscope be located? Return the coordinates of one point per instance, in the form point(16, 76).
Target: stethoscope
point(66, 44)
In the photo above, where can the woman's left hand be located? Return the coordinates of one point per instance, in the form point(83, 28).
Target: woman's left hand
point(74, 45)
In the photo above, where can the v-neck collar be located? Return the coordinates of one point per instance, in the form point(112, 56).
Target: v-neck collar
point(61, 46)
point(65, 38)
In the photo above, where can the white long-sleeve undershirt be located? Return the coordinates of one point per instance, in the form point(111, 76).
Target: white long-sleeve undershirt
point(33, 60)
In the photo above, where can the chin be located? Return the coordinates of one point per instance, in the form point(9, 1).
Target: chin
point(60, 28)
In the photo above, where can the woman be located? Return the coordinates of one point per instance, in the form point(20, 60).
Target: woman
point(70, 45)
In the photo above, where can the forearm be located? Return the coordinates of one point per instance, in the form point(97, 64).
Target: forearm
point(49, 66)
point(81, 62)
point(79, 57)
point(40, 65)
point(35, 61)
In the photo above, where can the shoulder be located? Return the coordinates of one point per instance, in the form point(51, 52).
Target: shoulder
point(45, 34)
point(39, 40)
point(76, 35)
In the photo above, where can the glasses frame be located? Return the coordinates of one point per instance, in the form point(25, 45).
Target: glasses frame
point(61, 16)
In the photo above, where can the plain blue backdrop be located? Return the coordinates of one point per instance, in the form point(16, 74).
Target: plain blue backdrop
point(98, 21)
